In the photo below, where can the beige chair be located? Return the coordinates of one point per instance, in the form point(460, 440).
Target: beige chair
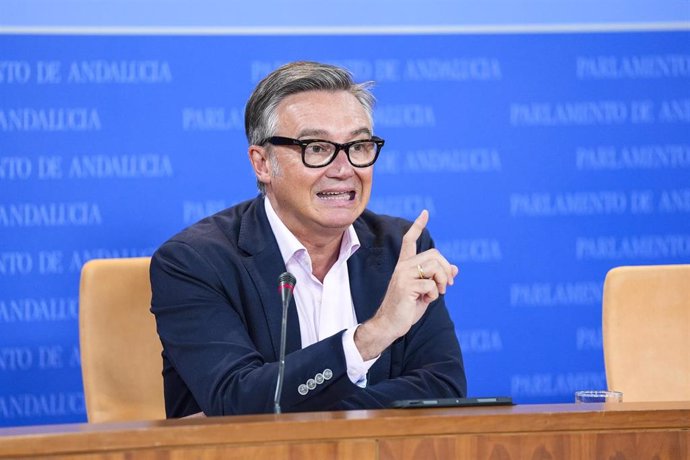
point(120, 349)
point(646, 332)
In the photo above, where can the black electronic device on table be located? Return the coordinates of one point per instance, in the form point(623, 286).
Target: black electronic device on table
point(453, 402)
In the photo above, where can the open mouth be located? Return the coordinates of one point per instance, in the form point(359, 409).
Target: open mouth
point(341, 196)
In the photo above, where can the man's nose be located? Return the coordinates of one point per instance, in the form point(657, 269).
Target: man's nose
point(341, 162)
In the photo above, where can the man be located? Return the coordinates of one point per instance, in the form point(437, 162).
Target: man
point(368, 324)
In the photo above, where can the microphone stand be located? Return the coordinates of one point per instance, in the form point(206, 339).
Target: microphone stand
point(287, 284)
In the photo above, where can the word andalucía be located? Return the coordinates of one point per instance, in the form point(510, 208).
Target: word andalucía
point(50, 214)
point(50, 119)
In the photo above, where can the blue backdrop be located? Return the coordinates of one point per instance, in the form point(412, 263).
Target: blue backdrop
point(544, 159)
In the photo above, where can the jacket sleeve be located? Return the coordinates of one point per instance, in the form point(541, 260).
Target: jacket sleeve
point(425, 363)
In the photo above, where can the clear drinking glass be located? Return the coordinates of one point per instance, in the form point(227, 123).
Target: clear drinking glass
point(598, 396)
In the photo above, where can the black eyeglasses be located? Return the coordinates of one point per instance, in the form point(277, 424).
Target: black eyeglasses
point(317, 153)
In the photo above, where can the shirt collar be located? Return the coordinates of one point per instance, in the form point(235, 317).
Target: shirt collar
point(290, 246)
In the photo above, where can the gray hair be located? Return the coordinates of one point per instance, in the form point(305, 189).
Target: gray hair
point(260, 114)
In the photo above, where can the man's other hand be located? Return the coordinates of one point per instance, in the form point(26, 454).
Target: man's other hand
point(418, 280)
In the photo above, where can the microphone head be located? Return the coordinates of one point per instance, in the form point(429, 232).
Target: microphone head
point(287, 280)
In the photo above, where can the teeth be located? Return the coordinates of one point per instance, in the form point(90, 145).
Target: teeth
point(334, 195)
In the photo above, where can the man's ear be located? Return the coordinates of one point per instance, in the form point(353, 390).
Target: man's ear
point(258, 156)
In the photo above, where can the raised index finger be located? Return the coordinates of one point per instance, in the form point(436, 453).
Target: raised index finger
point(409, 241)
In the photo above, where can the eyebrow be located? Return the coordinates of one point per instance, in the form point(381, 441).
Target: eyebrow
point(324, 133)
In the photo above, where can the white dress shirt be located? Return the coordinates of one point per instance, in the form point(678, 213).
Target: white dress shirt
point(324, 308)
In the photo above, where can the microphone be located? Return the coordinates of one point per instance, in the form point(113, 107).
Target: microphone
point(286, 284)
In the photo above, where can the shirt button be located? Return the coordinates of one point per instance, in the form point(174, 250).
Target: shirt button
point(311, 384)
point(302, 389)
point(327, 374)
point(319, 378)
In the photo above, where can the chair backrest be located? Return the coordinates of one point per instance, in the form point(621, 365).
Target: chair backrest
point(120, 349)
point(646, 332)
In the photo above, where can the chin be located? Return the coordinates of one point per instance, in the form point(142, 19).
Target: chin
point(341, 218)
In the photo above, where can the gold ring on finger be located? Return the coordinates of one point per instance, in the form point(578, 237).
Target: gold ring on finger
point(420, 270)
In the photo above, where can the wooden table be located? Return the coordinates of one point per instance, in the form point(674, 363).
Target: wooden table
point(565, 431)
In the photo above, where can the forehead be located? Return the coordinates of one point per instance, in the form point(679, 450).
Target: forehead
point(336, 113)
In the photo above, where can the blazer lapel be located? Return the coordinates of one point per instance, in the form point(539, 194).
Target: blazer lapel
point(264, 265)
point(369, 270)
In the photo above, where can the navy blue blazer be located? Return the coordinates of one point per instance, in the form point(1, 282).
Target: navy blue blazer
point(218, 313)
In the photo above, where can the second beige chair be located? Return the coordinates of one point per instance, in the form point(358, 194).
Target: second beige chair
point(120, 349)
point(646, 329)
